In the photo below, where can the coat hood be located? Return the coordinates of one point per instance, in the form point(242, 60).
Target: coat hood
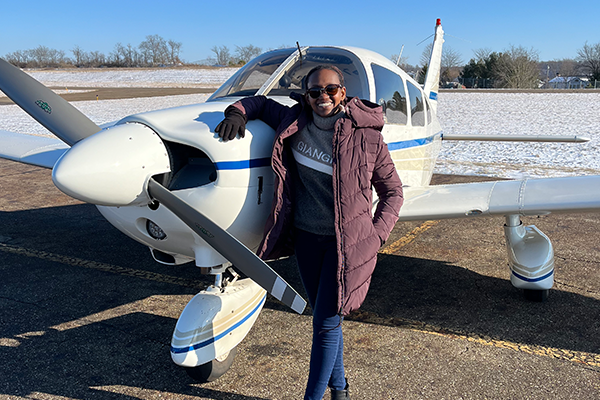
point(364, 114)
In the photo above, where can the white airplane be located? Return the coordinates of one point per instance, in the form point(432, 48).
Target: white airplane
point(164, 179)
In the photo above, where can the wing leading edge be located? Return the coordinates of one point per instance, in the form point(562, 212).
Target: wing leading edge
point(519, 197)
point(35, 150)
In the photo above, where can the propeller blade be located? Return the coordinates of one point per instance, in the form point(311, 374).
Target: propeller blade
point(229, 247)
point(45, 106)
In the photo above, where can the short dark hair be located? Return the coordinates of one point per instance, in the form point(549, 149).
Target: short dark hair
point(333, 68)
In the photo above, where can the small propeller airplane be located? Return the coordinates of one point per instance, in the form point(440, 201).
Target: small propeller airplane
point(164, 179)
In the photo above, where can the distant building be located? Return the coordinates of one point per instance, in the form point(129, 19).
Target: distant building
point(568, 82)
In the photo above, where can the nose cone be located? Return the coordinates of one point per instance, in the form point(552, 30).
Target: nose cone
point(112, 167)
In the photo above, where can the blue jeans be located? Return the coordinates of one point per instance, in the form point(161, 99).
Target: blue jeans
point(317, 261)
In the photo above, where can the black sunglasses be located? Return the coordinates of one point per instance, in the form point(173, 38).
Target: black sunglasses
point(331, 90)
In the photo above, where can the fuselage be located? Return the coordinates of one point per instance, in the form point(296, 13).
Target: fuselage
point(232, 181)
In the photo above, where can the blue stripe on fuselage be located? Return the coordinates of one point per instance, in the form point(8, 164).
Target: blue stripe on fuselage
point(405, 144)
point(265, 162)
point(244, 164)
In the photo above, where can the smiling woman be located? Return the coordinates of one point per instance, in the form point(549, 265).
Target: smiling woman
point(329, 152)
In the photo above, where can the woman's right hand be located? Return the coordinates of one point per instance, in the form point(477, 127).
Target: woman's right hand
point(233, 124)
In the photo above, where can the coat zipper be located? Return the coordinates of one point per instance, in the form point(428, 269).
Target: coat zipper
point(341, 261)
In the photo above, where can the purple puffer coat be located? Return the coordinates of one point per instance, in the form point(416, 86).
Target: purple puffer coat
point(361, 160)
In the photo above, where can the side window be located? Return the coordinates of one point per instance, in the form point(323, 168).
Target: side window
point(389, 89)
point(417, 108)
point(428, 107)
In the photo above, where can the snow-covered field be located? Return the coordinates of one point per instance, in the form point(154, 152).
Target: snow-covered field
point(459, 112)
point(572, 114)
point(167, 77)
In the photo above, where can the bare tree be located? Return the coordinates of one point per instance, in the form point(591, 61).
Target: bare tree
point(131, 56)
point(482, 54)
point(247, 53)
point(402, 62)
point(589, 57)
point(43, 56)
point(426, 54)
point(222, 54)
point(451, 59)
point(96, 59)
point(174, 49)
point(154, 50)
point(117, 57)
point(517, 68)
point(18, 58)
point(80, 56)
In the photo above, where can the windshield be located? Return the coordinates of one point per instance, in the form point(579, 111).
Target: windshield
point(253, 75)
point(248, 80)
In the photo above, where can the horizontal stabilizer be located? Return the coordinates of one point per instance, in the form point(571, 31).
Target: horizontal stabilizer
point(36, 150)
point(518, 197)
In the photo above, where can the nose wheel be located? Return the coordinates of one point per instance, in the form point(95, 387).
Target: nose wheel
point(212, 370)
point(217, 367)
point(538, 296)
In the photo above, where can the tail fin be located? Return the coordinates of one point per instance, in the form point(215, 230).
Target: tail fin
point(432, 79)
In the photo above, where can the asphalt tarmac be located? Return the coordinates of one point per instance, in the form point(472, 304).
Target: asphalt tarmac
point(85, 313)
point(107, 93)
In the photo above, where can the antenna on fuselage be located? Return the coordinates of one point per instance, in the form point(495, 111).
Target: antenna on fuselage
point(399, 56)
point(299, 52)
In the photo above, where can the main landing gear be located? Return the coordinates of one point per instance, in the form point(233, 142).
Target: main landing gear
point(530, 257)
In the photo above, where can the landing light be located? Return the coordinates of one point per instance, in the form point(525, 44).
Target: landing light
point(155, 231)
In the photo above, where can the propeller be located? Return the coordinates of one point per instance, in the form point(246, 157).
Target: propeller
point(115, 166)
point(45, 106)
point(231, 248)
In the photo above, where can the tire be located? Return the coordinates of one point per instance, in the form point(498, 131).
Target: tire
point(212, 370)
point(538, 296)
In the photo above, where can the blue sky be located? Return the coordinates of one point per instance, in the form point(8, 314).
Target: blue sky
point(555, 29)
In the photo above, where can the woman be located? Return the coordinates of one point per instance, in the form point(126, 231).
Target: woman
point(328, 153)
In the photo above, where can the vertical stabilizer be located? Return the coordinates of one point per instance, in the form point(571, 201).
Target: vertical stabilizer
point(432, 79)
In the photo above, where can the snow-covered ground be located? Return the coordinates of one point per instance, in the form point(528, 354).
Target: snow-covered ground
point(459, 112)
point(572, 114)
point(167, 77)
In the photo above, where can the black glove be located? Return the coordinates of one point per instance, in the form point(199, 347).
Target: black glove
point(233, 124)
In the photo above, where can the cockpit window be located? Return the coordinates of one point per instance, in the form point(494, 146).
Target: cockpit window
point(417, 109)
point(292, 80)
point(389, 88)
point(248, 80)
point(253, 75)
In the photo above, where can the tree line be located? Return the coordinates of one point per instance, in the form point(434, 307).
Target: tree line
point(515, 67)
point(518, 67)
point(154, 51)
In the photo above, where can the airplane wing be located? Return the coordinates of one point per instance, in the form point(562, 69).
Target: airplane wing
point(36, 150)
point(510, 197)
